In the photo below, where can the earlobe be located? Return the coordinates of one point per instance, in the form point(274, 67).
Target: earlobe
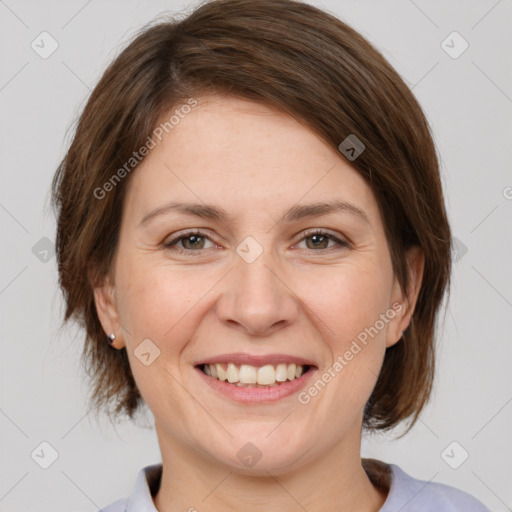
point(106, 308)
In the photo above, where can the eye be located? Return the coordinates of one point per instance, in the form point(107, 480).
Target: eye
point(194, 241)
point(320, 240)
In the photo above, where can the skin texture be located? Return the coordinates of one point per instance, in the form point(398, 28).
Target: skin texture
point(297, 297)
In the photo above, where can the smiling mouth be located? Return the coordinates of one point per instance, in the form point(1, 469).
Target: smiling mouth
point(249, 376)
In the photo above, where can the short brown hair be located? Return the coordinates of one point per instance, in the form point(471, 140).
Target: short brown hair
point(307, 63)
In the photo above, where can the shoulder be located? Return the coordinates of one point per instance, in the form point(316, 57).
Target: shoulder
point(117, 506)
point(146, 485)
point(409, 494)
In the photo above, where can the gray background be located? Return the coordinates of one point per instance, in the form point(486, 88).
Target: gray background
point(468, 101)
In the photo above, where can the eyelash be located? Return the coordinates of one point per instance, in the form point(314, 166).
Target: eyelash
point(172, 244)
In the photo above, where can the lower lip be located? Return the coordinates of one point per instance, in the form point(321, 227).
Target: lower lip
point(257, 395)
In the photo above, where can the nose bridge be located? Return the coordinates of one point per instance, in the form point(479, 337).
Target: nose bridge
point(255, 279)
point(256, 297)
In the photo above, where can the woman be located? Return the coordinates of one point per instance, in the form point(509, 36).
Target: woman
point(251, 227)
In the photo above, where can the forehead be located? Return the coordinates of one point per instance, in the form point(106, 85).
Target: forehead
point(247, 157)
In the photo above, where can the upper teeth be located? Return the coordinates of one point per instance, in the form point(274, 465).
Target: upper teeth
point(247, 374)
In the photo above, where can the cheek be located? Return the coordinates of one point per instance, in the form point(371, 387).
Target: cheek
point(351, 300)
point(154, 303)
point(349, 308)
point(152, 306)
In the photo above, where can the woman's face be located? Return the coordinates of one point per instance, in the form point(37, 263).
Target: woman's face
point(258, 282)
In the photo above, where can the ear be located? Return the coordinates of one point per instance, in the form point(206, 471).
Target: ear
point(404, 302)
point(106, 307)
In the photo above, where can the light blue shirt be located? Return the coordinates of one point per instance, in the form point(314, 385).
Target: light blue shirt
point(406, 494)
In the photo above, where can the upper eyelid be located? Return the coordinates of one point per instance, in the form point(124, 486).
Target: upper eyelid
point(339, 239)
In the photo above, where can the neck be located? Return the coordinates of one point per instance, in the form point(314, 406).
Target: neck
point(336, 481)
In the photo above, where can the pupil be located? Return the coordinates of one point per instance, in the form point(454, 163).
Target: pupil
point(192, 239)
point(317, 240)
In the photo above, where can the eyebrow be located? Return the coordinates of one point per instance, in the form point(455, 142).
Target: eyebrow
point(295, 213)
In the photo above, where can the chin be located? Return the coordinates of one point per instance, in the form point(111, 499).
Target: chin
point(252, 458)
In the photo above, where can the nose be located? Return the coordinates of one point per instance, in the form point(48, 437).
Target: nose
point(256, 297)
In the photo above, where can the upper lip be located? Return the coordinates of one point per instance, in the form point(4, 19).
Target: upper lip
point(255, 360)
